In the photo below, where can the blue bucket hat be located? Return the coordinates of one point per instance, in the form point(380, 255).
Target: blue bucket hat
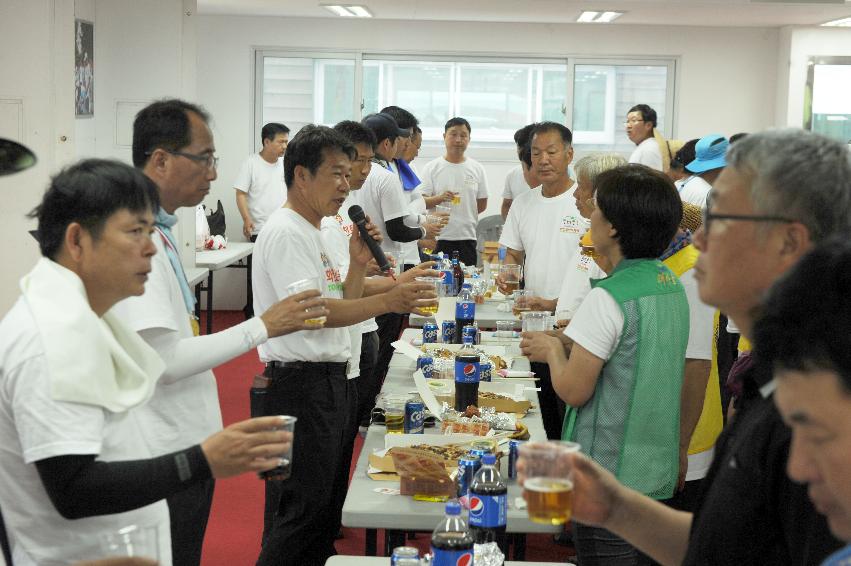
point(710, 153)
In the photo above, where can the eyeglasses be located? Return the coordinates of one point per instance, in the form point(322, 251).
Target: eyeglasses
point(708, 217)
point(632, 121)
point(209, 160)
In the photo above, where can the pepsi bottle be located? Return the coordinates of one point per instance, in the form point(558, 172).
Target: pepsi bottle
point(488, 502)
point(451, 541)
point(465, 311)
point(447, 274)
point(467, 375)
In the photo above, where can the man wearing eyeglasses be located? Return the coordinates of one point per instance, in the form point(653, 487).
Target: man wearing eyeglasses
point(640, 123)
point(174, 147)
point(772, 203)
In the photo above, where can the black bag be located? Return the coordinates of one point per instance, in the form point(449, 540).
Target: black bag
point(216, 220)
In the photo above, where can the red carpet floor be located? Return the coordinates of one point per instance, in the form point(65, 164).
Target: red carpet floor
point(236, 521)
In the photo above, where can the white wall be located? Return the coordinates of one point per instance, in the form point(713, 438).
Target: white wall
point(804, 43)
point(36, 108)
point(726, 83)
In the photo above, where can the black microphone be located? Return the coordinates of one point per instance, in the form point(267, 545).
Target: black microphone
point(359, 218)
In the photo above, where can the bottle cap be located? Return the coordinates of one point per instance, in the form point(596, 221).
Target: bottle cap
point(453, 508)
point(489, 459)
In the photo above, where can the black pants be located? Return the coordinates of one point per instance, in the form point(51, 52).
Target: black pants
point(466, 250)
point(369, 383)
point(727, 345)
point(389, 329)
point(599, 547)
point(299, 521)
point(687, 499)
point(552, 407)
point(188, 511)
point(248, 309)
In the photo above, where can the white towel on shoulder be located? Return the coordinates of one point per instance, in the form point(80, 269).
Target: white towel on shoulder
point(90, 359)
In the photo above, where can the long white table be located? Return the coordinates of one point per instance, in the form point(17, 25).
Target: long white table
point(236, 255)
point(371, 561)
point(364, 508)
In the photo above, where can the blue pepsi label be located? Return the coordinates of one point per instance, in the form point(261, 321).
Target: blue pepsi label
point(488, 511)
point(465, 310)
point(448, 277)
point(451, 557)
point(466, 372)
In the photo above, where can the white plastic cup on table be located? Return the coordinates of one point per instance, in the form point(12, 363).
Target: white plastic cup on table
point(132, 540)
point(535, 321)
point(306, 285)
point(548, 487)
point(439, 290)
point(284, 470)
point(505, 328)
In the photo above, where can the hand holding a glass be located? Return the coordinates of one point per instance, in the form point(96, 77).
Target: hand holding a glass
point(413, 297)
point(547, 480)
point(298, 311)
point(508, 279)
point(425, 269)
point(596, 493)
point(253, 445)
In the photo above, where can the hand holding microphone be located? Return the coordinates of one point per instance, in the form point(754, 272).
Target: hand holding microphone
point(359, 218)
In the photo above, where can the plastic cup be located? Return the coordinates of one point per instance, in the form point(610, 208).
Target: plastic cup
point(394, 414)
point(132, 540)
point(535, 321)
point(548, 488)
point(439, 289)
point(283, 471)
point(505, 328)
point(443, 209)
point(510, 276)
point(520, 305)
point(307, 285)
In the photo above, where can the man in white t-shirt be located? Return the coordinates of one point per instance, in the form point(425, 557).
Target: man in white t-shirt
point(542, 234)
point(710, 159)
point(76, 464)
point(466, 179)
point(640, 123)
point(260, 189)
point(173, 145)
point(520, 178)
point(308, 372)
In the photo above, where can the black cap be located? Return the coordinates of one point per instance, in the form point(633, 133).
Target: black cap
point(384, 126)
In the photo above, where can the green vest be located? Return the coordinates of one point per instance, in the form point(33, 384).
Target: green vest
point(631, 425)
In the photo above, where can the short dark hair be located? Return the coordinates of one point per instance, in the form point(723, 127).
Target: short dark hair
point(163, 124)
point(404, 119)
point(89, 192)
point(356, 133)
point(308, 149)
point(271, 130)
point(684, 155)
point(417, 130)
point(542, 127)
point(647, 113)
point(642, 205)
point(524, 135)
point(804, 320)
point(736, 137)
point(457, 121)
point(526, 155)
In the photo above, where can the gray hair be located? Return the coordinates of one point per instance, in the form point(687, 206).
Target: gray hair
point(592, 165)
point(799, 175)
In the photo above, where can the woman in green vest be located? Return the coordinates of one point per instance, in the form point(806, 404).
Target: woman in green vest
point(623, 376)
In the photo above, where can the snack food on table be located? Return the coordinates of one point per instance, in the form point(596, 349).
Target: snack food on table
point(479, 428)
point(422, 474)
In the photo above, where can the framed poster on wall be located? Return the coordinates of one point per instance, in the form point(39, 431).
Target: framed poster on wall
point(827, 107)
point(84, 64)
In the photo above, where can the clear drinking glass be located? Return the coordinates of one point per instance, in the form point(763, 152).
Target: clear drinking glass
point(307, 285)
point(548, 488)
point(284, 470)
point(535, 321)
point(439, 289)
point(132, 540)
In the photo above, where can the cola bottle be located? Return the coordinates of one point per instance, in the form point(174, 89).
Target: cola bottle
point(488, 502)
point(451, 541)
point(467, 375)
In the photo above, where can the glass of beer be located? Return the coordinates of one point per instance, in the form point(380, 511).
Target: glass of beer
point(306, 285)
point(548, 488)
point(443, 210)
point(394, 414)
point(521, 304)
point(439, 290)
point(509, 273)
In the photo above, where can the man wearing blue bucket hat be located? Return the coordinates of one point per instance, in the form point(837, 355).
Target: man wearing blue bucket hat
point(710, 159)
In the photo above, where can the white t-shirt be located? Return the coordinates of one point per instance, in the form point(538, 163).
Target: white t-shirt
point(35, 427)
point(264, 183)
point(647, 153)
point(576, 284)
point(336, 231)
point(515, 183)
point(548, 230)
point(287, 250)
point(598, 323)
point(468, 179)
point(694, 190)
point(382, 200)
point(186, 411)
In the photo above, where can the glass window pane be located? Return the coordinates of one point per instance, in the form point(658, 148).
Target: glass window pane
point(299, 91)
point(602, 96)
point(495, 99)
point(831, 105)
point(554, 91)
